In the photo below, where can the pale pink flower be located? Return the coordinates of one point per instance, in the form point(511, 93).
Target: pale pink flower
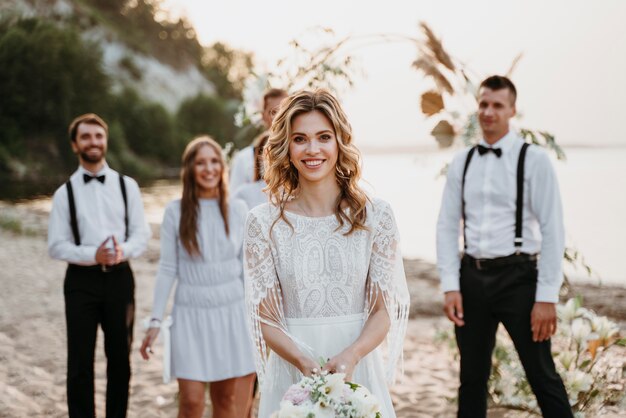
point(296, 394)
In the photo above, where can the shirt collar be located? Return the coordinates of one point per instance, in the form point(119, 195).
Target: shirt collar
point(505, 143)
point(103, 170)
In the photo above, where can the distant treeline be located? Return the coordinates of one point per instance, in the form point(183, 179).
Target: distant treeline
point(49, 75)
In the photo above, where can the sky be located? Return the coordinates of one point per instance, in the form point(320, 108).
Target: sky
point(571, 80)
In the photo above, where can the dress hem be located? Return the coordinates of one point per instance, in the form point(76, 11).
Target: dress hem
point(219, 379)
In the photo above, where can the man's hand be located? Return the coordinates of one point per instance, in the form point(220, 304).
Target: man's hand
point(104, 255)
point(453, 307)
point(543, 321)
point(119, 253)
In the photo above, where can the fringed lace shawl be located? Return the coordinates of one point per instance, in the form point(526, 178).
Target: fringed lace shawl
point(314, 270)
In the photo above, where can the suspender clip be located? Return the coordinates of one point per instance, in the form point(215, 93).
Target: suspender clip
point(518, 245)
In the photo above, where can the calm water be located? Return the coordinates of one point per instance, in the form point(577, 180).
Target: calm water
point(593, 188)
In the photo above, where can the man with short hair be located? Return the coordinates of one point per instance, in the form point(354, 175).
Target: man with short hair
point(97, 224)
point(505, 195)
point(246, 165)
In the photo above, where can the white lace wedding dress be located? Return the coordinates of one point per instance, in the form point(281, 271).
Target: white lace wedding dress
point(318, 285)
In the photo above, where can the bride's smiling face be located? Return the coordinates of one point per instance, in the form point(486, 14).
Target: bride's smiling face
point(313, 148)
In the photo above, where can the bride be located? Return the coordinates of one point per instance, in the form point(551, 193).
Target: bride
point(325, 284)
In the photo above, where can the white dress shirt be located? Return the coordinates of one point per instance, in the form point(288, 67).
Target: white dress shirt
point(241, 168)
point(252, 194)
point(99, 214)
point(490, 203)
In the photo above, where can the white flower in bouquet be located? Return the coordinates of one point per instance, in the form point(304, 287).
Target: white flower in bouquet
point(323, 409)
point(334, 386)
point(327, 396)
point(365, 404)
point(289, 410)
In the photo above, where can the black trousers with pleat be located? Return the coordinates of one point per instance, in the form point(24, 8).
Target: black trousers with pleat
point(504, 294)
point(92, 298)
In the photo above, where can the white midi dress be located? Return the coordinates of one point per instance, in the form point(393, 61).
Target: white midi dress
point(318, 285)
point(209, 337)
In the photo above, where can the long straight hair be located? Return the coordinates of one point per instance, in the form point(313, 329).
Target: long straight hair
point(189, 203)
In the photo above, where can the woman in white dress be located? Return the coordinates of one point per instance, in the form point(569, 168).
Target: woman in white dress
point(324, 273)
point(201, 248)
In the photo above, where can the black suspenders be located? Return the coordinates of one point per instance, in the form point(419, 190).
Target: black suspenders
point(123, 188)
point(467, 161)
point(519, 204)
point(520, 196)
point(73, 219)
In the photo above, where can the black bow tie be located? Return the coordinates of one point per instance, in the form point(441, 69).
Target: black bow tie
point(88, 178)
point(482, 150)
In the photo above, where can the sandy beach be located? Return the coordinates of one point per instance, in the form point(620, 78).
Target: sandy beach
point(33, 350)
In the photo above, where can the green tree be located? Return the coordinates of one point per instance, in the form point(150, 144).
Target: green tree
point(111, 6)
point(48, 75)
point(206, 115)
point(149, 29)
point(227, 69)
point(148, 127)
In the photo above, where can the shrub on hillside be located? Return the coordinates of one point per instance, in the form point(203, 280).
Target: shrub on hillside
point(48, 75)
point(206, 115)
point(147, 126)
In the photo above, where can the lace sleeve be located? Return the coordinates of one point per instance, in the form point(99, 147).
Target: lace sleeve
point(264, 300)
point(386, 277)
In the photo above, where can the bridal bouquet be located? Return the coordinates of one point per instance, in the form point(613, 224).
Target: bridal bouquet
point(328, 396)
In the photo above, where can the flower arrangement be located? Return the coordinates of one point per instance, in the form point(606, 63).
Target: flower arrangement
point(592, 375)
point(328, 396)
point(580, 348)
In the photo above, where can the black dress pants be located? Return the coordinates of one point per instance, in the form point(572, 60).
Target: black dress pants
point(92, 298)
point(503, 294)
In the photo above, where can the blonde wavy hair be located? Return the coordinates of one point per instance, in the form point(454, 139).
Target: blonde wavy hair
point(282, 177)
point(189, 203)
